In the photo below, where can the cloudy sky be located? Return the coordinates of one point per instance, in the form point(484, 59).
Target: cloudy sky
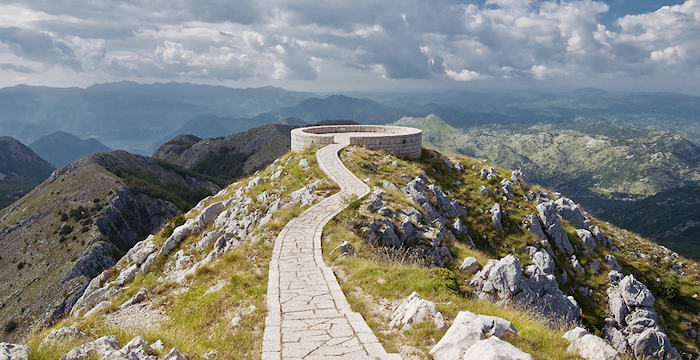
point(344, 45)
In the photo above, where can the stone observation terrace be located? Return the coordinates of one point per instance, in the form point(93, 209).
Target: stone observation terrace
point(397, 140)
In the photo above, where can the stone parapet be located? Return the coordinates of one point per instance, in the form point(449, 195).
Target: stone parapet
point(397, 140)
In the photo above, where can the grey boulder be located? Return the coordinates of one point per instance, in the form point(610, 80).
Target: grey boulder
point(10, 351)
point(466, 330)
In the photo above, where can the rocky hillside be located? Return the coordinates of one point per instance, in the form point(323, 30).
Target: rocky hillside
point(594, 163)
point(449, 257)
point(226, 158)
point(21, 169)
point(77, 223)
point(61, 148)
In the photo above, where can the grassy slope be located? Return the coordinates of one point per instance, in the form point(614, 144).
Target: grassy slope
point(196, 323)
point(374, 277)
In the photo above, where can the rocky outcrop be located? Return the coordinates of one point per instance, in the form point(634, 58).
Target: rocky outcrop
point(14, 351)
point(469, 331)
point(108, 348)
point(62, 335)
point(503, 281)
point(589, 347)
point(571, 212)
point(633, 326)
point(413, 310)
point(552, 226)
point(344, 249)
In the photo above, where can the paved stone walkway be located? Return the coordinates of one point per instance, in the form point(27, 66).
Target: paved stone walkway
point(308, 315)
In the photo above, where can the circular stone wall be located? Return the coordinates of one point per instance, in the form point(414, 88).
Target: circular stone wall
point(396, 140)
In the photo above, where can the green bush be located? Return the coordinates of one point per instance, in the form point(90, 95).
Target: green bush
point(672, 287)
point(10, 326)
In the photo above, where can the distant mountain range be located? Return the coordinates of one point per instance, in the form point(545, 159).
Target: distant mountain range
point(21, 169)
point(61, 148)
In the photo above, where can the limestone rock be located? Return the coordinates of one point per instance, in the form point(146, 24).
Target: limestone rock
point(576, 265)
point(141, 251)
point(175, 355)
point(496, 215)
point(344, 249)
point(611, 260)
point(62, 335)
point(137, 343)
point(633, 326)
point(548, 215)
point(542, 262)
point(104, 347)
point(586, 238)
point(502, 281)
point(10, 351)
point(595, 231)
point(589, 347)
point(127, 275)
point(507, 187)
point(535, 227)
point(470, 265)
point(595, 265)
point(483, 189)
point(137, 298)
point(494, 348)
point(571, 212)
point(466, 330)
point(375, 201)
point(413, 310)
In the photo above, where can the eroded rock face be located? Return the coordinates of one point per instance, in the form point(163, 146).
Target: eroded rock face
point(552, 225)
point(467, 330)
point(104, 347)
point(633, 326)
point(413, 310)
point(503, 281)
point(589, 347)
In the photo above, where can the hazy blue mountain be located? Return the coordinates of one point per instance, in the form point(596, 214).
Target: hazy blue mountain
point(339, 107)
point(61, 148)
point(21, 169)
point(676, 112)
point(128, 115)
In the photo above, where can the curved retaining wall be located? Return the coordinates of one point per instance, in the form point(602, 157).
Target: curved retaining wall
point(397, 140)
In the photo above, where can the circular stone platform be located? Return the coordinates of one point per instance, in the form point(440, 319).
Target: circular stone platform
point(397, 140)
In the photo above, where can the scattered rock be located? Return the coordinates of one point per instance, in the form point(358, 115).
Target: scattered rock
point(496, 215)
point(502, 281)
point(375, 201)
point(507, 187)
point(62, 335)
point(158, 346)
point(470, 265)
point(595, 265)
point(633, 326)
point(611, 260)
point(304, 163)
point(552, 225)
point(106, 347)
point(137, 298)
point(586, 238)
point(10, 351)
point(413, 310)
point(571, 212)
point(127, 275)
point(494, 348)
point(535, 227)
point(345, 249)
point(576, 265)
point(483, 189)
point(137, 343)
point(542, 262)
point(211, 355)
point(466, 330)
point(175, 355)
point(589, 347)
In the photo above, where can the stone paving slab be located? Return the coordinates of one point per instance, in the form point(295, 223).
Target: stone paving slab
point(308, 315)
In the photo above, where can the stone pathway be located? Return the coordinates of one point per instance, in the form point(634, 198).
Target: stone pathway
point(308, 315)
